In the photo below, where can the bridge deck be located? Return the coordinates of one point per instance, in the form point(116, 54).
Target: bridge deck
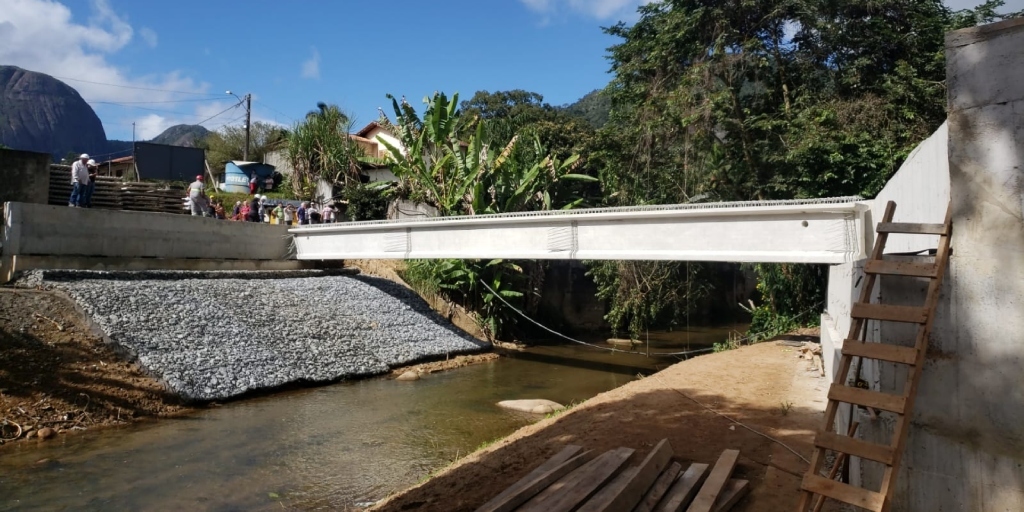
point(801, 231)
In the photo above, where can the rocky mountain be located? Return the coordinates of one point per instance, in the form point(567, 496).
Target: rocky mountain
point(182, 135)
point(40, 113)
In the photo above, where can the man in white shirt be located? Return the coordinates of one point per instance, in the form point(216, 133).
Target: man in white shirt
point(79, 181)
point(197, 197)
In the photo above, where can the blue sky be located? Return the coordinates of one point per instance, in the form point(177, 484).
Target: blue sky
point(162, 63)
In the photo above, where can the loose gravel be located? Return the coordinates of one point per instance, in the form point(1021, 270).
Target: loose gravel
point(215, 335)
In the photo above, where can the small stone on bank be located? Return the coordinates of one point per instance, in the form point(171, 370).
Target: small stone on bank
point(409, 375)
point(46, 433)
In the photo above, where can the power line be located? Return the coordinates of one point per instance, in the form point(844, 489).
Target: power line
point(151, 102)
point(153, 109)
point(219, 113)
point(136, 87)
point(274, 109)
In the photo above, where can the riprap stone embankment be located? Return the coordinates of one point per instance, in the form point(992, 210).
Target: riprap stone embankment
point(215, 335)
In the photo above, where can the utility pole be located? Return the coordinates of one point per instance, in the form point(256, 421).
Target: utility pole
point(248, 114)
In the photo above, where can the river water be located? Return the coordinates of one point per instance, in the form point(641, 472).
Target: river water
point(325, 448)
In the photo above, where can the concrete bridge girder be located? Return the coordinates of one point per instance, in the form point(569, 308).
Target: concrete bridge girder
point(830, 231)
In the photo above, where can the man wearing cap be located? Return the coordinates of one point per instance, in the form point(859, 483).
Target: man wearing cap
point(79, 182)
point(197, 197)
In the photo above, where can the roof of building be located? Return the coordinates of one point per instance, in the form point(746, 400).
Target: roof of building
point(367, 129)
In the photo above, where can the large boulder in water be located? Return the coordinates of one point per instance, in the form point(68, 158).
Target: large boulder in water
point(535, 406)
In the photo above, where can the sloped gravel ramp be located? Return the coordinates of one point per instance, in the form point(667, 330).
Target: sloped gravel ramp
point(215, 335)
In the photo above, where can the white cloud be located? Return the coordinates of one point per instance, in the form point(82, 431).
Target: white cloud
point(604, 10)
point(149, 36)
point(45, 36)
point(311, 67)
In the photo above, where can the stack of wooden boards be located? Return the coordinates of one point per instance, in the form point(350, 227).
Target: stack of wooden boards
point(583, 481)
point(115, 194)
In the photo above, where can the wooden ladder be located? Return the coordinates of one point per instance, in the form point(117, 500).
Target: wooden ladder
point(901, 405)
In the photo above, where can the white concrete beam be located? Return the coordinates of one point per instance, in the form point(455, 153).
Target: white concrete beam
point(813, 231)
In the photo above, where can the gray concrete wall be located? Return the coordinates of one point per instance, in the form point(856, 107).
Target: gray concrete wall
point(60, 231)
point(25, 176)
point(965, 450)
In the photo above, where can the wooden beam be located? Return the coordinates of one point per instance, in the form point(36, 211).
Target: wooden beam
point(890, 313)
point(874, 399)
point(682, 492)
point(660, 487)
point(734, 491)
point(713, 486)
point(567, 493)
point(544, 475)
point(630, 488)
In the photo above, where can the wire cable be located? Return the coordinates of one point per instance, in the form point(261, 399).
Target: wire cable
point(591, 345)
point(135, 87)
point(236, 105)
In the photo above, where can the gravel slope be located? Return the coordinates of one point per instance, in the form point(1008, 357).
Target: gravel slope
point(214, 335)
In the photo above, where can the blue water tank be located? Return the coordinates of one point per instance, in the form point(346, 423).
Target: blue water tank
point(237, 175)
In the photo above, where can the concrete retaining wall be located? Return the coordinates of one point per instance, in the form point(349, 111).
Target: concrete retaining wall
point(25, 176)
point(965, 450)
point(63, 237)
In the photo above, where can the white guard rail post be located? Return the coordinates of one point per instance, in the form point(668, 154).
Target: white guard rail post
point(829, 231)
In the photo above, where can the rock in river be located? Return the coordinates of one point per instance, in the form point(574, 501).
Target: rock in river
point(535, 406)
point(409, 375)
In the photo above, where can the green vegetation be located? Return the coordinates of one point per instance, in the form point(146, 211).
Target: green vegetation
point(228, 143)
point(709, 101)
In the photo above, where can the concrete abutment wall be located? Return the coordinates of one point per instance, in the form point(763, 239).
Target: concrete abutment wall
point(40, 236)
point(965, 450)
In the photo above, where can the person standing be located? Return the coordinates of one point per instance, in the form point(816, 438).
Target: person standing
point(254, 210)
point(252, 183)
point(279, 213)
point(303, 213)
point(197, 197)
point(79, 181)
point(289, 214)
point(91, 187)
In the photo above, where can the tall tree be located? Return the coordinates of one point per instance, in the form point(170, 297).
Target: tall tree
point(766, 99)
point(228, 143)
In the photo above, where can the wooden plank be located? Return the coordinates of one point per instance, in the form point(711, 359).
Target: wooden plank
point(660, 487)
point(880, 351)
point(845, 493)
point(537, 480)
point(852, 395)
point(853, 446)
point(911, 228)
point(684, 489)
point(716, 481)
point(900, 268)
point(734, 491)
point(574, 488)
point(890, 313)
point(632, 484)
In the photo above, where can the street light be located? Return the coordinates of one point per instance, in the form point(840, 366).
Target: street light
point(248, 112)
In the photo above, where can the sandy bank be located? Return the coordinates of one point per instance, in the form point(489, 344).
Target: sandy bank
point(765, 386)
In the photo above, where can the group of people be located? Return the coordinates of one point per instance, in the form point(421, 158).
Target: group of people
point(83, 182)
point(259, 209)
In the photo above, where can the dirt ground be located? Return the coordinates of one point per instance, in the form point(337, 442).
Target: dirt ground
point(55, 373)
point(764, 386)
point(447, 364)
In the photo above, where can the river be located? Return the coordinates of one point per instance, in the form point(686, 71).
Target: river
point(326, 448)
